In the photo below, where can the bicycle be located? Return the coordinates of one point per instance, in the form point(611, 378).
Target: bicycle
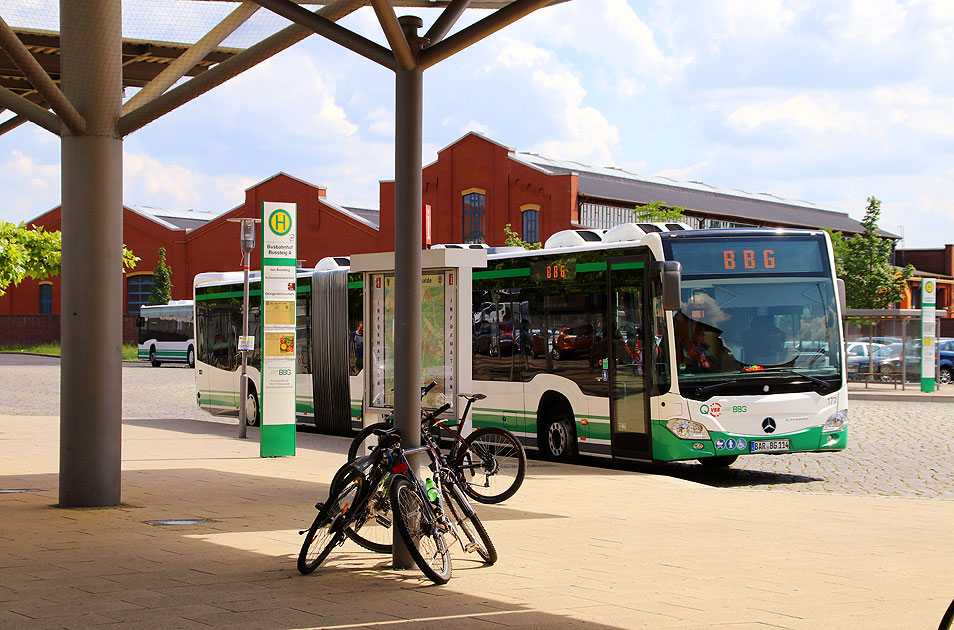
point(424, 512)
point(491, 462)
point(361, 496)
point(354, 500)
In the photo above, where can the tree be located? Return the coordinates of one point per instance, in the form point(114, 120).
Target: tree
point(862, 261)
point(512, 239)
point(32, 252)
point(656, 212)
point(161, 281)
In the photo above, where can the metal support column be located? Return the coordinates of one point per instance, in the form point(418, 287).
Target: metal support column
point(408, 198)
point(91, 320)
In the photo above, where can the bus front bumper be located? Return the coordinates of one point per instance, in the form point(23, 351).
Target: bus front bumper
point(667, 447)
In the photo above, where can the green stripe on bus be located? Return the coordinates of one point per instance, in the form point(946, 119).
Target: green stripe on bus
point(502, 273)
point(226, 294)
point(585, 267)
point(279, 262)
point(632, 265)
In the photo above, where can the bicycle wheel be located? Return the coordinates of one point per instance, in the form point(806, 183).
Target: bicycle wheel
point(477, 537)
point(327, 532)
point(364, 434)
point(493, 467)
point(419, 532)
point(372, 529)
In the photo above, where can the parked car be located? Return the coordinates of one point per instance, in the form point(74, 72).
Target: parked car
point(945, 352)
point(857, 360)
point(572, 340)
point(882, 340)
point(889, 360)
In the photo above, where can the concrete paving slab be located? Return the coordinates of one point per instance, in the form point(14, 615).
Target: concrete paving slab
point(580, 547)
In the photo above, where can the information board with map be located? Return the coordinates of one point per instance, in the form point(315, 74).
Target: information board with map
point(438, 337)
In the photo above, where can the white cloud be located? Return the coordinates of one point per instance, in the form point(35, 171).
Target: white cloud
point(30, 188)
point(871, 22)
point(799, 114)
point(148, 181)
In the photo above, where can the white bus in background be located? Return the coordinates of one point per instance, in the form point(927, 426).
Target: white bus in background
point(166, 333)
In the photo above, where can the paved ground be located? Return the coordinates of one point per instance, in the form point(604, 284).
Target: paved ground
point(897, 448)
point(580, 546)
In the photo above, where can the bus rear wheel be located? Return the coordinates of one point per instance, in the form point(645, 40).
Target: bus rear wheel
point(559, 438)
point(152, 357)
point(191, 357)
point(251, 407)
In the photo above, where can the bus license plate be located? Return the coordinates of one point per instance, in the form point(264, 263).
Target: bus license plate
point(769, 446)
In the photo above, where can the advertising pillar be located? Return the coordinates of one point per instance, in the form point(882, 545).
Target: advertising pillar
point(928, 332)
point(279, 264)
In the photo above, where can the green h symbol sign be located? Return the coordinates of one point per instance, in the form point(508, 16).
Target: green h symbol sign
point(280, 222)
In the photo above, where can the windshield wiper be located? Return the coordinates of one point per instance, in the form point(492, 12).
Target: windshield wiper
point(711, 388)
point(813, 379)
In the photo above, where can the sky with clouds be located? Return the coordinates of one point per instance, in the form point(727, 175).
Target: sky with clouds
point(804, 99)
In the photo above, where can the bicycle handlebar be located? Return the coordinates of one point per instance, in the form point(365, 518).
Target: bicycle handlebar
point(427, 388)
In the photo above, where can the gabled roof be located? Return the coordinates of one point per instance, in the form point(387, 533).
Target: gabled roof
point(623, 186)
point(177, 219)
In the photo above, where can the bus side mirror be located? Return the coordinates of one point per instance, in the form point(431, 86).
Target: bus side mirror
point(140, 321)
point(671, 276)
point(842, 296)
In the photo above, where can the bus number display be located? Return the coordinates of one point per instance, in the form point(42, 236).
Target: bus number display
point(553, 271)
point(748, 258)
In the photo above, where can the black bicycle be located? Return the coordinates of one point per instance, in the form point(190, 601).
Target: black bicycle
point(357, 504)
point(491, 463)
point(429, 510)
point(367, 491)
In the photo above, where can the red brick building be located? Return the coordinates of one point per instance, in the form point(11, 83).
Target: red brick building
point(474, 188)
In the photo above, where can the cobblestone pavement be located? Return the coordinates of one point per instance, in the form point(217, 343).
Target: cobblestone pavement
point(895, 448)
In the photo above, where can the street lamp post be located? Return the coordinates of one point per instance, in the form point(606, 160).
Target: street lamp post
point(247, 241)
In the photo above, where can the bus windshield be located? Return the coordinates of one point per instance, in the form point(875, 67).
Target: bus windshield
point(747, 327)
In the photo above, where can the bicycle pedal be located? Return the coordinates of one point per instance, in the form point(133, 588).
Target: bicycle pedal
point(383, 521)
point(472, 547)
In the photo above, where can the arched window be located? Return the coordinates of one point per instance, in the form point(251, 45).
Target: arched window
point(138, 289)
point(474, 207)
point(46, 298)
point(530, 214)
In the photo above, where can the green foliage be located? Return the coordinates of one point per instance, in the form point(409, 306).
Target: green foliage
point(34, 253)
point(512, 239)
point(862, 261)
point(27, 253)
point(161, 281)
point(656, 212)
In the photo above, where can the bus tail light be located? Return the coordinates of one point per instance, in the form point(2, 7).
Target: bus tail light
point(836, 421)
point(687, 429)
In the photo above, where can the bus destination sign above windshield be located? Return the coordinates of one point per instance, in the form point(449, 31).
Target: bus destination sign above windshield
point(746, 256)
point(553, 270)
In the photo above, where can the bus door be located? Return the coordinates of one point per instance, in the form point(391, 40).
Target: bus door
point(628, 323)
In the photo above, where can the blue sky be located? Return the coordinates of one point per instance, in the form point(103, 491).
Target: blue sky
point(821, 101)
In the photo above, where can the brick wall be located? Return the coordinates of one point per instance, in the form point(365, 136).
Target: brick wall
point(26, 330)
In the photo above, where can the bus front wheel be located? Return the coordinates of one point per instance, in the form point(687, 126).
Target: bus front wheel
point(191, 357)
point(251, 407)
point(152, 357)
point(559, 438)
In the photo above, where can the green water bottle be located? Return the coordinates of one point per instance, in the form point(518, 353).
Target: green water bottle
point(431, 488)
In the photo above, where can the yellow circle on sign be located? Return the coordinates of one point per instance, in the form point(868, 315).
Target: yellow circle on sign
point(929, 286)
point(280, 222)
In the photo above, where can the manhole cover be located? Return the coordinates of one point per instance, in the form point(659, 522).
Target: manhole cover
point(18, 490)
point(178, 521)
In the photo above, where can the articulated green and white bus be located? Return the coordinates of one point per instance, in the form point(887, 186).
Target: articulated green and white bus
point(165, 333)
point(634, 344)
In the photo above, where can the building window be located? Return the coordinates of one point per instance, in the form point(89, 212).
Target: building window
point(46, 299)
point(474, 207)
point(602, 217)
point(138, 289)
point(531, 224)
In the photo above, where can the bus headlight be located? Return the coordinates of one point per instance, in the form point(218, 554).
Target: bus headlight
point(836, 422)
point(687, 429)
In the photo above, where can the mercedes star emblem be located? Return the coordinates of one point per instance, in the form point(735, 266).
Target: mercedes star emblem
point(768, 425)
